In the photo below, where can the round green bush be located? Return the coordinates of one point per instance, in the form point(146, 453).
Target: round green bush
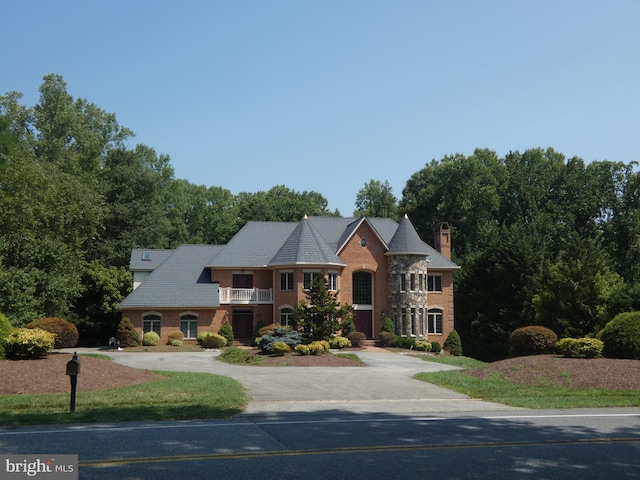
point(386, 339)
point(423, 345)
point(66, 332)
point(150, 339)
point(339, 342)
point(347, 326)
point(436, 347)
point(621, 336)
point(453, 344)
point(357, 338)
point(214, 340)
point(280, 348)
point(532, 340)
point(28, 343)
point(579, 347)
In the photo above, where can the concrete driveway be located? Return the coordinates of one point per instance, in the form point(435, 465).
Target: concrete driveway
point(385, 385)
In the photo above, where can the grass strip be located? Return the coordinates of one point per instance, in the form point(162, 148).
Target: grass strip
point(179, 396)
point(501, 390)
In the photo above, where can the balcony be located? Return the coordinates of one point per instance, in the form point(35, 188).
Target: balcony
point(246, 296)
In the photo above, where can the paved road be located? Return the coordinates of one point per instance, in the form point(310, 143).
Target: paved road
point(384, 385)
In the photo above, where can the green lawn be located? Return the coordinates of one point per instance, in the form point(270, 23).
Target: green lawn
point(179, 396)
point(502, 390)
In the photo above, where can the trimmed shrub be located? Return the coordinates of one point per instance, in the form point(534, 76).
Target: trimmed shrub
point(357, 338)
point(28, 343)
point(453, 344)
point(532, 340)
point(202, 335)
point(5, 329)
point(150, 339)
point(339, 342)
point(176, 342)
point(404, 342)
point(423, 345)
point(347, 326)
point(280, 348)
point(214, 340)
point(303, 349)
point(256, 331)
point(279, 334)
point(126, 335)
point(270, 328)
point(436, 347)
point(319, 347)
point(580, 347)
point(173, 336)
point(621, 336)
point(227, 332)
point(386, 339)
point(66, 332)
point(387, 326)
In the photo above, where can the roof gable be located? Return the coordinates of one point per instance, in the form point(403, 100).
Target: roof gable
point(307, 246)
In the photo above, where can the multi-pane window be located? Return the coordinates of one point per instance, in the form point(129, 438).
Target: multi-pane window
point(434, 321)
point(394, 282)
point(414, 326)
point(151, 323)
point(285, 317)
point(412, 281)
point(286, 281)
point(403, 282)
point(332, 278)
point(308, 278)
point(435, 283)
point(362, 291)
point(189, 325)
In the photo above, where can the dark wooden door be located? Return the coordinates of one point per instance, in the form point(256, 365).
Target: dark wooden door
point(363, 320)
point(242, 324)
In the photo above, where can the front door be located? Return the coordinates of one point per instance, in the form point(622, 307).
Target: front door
point(242, 324)
point(363, 320)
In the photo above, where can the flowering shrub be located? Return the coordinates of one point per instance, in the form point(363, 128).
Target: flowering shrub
point(28, 343)
point(280, 348)
point(339, 342)
point(423, 345)
point(150, 339)
point(580, 347)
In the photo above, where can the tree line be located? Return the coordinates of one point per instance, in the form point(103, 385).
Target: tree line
point(541, 238)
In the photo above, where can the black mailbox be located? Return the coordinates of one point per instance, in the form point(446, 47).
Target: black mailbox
point(73, 366)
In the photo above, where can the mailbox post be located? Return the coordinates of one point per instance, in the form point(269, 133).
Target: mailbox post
point(73, 370)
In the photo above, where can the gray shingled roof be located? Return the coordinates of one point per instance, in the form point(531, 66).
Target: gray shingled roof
point(306, 246)
point(147, 259)
point(406, 240)
point(182, 280)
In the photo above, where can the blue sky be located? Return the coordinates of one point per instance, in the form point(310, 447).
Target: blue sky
point(327, 95)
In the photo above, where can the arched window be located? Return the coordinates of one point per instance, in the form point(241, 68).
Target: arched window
point(189, 325)
point(362, 288)
point(151, 323)
point(434, 320)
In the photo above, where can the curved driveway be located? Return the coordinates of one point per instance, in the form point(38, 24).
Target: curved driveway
point(385, 385)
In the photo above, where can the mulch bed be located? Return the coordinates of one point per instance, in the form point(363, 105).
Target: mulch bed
point(594, 373)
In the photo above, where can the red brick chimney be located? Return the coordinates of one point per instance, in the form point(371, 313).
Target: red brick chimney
point(442, 240)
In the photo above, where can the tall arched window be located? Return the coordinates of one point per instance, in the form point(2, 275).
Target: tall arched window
point(434, 321)
point(362, 288)
point(151, 323)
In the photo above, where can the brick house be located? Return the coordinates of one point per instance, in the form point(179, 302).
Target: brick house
point(379, 266)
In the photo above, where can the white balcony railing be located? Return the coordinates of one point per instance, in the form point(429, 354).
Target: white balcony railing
point(246, 296)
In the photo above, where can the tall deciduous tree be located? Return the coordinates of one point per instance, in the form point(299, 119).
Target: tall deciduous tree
point(376, 199)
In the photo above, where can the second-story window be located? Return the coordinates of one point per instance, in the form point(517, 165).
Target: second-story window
point(435, 283)
point(332, 278)
point(286, 281)
point(308, 278)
